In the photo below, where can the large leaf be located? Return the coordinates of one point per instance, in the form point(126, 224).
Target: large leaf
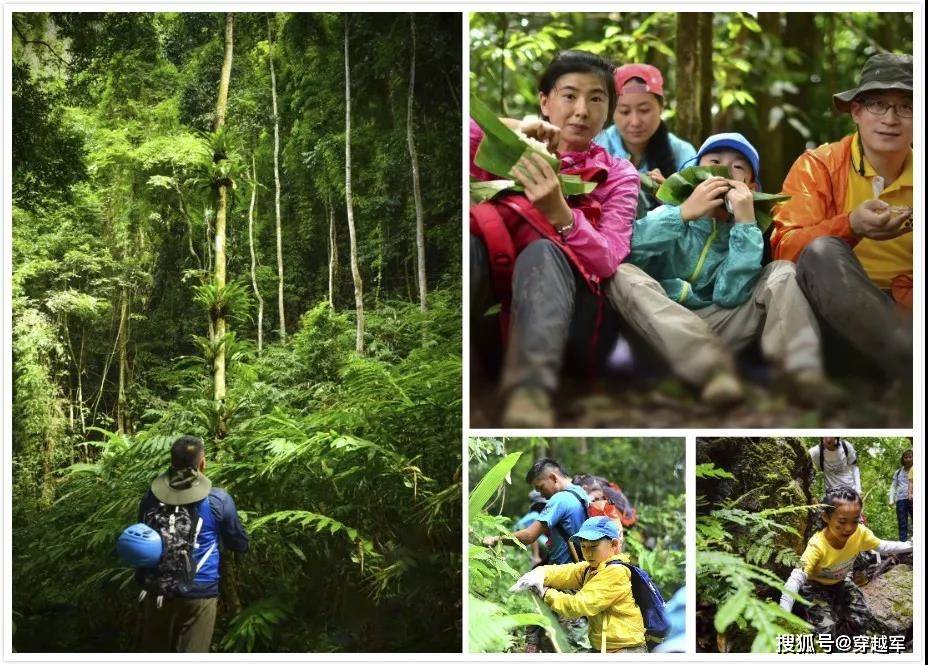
point(731, 609)
point(502, 148)
point(678, 187)
point(488, 485)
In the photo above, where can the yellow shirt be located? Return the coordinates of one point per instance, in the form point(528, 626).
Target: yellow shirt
point(604, 596)
point(828, 565)
point(881, 259)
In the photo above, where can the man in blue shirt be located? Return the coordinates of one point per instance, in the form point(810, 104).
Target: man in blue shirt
point(184, 622)
point(562, 515)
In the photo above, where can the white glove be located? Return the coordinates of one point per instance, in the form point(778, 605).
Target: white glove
point(533, 579)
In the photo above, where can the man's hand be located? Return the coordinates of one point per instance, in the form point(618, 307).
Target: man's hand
point(706, 197)
point(874, 219)
point(543, 189)
point(741, 199)
point(533, 580)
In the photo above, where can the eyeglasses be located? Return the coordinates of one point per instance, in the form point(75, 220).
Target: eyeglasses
point(879, 107)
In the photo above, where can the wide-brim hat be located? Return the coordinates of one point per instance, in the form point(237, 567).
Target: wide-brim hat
point(178, 487)
point(883, 71)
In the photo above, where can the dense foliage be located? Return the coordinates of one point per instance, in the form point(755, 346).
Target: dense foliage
point(747, 543)
point(780, 106)
point(650, 472)
point(345, 467)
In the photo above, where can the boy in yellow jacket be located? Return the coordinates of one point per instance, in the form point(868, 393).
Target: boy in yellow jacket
point(604, 592)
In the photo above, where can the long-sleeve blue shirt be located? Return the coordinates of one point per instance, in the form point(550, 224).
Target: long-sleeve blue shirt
point(698, 263)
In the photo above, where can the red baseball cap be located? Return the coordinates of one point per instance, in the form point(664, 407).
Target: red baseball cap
point(651, 75)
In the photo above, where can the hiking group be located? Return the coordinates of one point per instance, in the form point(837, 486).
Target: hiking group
point(576, 531)
point(826, 290)
point(825, 576)
point(184, 523)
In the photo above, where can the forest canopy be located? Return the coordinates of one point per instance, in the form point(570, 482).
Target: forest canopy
point(243, 227)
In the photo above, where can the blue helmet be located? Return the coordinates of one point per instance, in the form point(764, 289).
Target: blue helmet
point(139, 546)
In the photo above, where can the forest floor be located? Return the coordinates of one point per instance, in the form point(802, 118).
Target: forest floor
point(622, 401)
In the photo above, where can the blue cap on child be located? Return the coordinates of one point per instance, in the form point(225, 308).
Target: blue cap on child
point(735, 141)
point(596, 528)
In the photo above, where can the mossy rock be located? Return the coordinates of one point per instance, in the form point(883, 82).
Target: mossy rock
point(890, 600)
point(770, 472)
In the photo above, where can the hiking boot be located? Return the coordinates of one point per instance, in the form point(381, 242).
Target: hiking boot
point(723, 389)
point(528, 407)
point(811, 389)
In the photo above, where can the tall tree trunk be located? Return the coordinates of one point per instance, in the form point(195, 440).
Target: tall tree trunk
point(414, 162)
point(333, 254)
point(251, 249)
point(353, 245)
point(121, 426)
point(282, 320)
point(219, 274)
point(705, 74)
point(694, 75)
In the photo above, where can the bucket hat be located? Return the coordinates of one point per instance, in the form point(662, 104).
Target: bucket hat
point(178, 487)
point(883, 71)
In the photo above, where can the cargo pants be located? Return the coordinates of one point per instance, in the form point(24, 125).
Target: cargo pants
point(180, 625)
point(698, 343)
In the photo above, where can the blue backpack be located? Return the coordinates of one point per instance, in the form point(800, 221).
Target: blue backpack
point(649, 601)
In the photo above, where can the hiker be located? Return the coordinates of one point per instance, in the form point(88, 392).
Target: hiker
point(900, 494)
point(694, 287)
point(563, 248)
point(836, 459)
point(540, 546)
point(848, 225)
point(603, 589)
point(183, 622)
point(639, 133)
point(563, 513)
point(824, 574)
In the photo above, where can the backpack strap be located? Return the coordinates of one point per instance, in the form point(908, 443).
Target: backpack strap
point(821, 457)
point(562, 532)
point(847, 457)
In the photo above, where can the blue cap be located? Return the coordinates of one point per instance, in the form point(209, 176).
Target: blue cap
point(595, 528)
point(735, 141)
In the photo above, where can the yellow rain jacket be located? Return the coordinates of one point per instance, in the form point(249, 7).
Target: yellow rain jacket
point(604, 597)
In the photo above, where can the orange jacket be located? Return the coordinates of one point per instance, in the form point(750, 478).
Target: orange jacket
point(817, 183)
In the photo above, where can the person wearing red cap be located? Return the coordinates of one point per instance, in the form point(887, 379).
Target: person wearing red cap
point(639, 134)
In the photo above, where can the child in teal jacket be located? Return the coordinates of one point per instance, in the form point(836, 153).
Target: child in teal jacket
point(694, 287)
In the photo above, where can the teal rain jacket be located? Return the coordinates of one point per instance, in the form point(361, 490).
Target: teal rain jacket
point(699, 263)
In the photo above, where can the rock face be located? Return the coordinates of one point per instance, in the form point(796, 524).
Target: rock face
point(890, 599)
point(771, 472)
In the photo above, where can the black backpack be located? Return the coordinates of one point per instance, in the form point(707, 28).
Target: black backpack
point(179, 528)
point(821, 455)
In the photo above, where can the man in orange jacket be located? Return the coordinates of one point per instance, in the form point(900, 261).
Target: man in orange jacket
point(848, 225)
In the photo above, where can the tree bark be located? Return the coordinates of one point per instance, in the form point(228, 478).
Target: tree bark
point(414, 161)
point(333, 254)
point(282, 319)
point(219, 274)
point(121, 426)
point(694, 75)
point(251, 249)
point(355, 271)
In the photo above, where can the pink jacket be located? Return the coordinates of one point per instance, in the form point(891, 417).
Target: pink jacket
point(603, 247)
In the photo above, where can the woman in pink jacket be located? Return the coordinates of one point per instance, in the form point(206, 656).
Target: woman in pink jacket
point(574, 244)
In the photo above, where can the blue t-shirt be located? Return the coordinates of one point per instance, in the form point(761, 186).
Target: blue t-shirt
point(611, 140)
point(566, 512)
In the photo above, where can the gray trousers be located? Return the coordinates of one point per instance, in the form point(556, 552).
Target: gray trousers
point(552, 314)
point(697, 343)
point(180, 625)
point(852, 307)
